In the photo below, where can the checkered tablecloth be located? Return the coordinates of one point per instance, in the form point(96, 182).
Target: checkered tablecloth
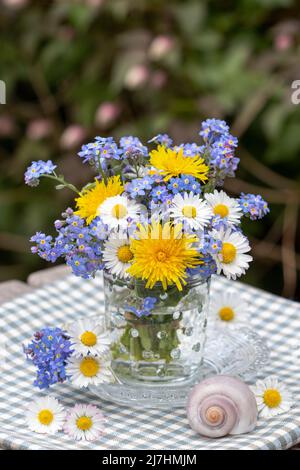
point(276, 319)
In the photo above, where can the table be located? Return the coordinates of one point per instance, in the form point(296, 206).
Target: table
point(13, 289)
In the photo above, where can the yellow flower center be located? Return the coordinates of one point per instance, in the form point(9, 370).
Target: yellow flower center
point(124, 254)
point(272, 398)
point(161, 256)
point(84, 423)
point(228, 253)
point(189, 211)
point(226, 313)
point(88, 338)
point(119, 211)
point(45, 417)
point(89, 367)
point(221, 210)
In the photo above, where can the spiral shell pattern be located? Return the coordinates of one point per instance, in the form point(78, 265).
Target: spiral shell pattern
point(221, 405)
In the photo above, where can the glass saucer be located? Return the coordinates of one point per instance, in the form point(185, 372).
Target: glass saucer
point(237, 351)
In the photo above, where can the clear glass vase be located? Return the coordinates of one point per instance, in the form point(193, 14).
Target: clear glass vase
point(155, 353)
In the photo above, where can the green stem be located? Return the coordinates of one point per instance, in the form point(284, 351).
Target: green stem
point(136, 168)
point(62, 182)
point(148, 339)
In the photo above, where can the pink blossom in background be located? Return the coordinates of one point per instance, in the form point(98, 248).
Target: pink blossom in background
point(15, 3)
point(160, 47)
point(159, 79)
point(283, 41)
point(136, 77)
point(72, 136)
point(39, 129)
point(107, 113)
point(7, 126)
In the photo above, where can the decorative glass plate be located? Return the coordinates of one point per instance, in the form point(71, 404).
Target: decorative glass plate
point(237, 350)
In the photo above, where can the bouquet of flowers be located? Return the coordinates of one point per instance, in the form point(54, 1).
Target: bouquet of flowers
point(152, 220)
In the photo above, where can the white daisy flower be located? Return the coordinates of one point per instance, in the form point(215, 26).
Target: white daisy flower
point(116, 210)
point(191, 209)
point(84, 422)
point(272, 397)
point(89, 370)
point(232, 259)
point(117, 256)
point(87, 336)
point(228, 308)
point(224, 206)
point(45, 415)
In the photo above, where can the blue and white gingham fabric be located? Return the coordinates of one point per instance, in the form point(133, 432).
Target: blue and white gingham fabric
point(276, 319)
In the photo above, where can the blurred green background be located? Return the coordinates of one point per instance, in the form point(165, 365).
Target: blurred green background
point(76, 69)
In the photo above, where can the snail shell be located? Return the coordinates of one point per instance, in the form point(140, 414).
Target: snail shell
point(221, 405)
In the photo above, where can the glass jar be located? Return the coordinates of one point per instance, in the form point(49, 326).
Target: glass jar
point(157, 350)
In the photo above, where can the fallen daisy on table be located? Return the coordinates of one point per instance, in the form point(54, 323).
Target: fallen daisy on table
point(272, 397)
point(228, 308)
point(45, 415)
point(84, 422)
point(87, 336)
point(89, 370)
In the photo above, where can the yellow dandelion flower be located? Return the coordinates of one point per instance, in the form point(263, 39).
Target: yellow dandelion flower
point(162, 253)
point(172, 163)
point(89, 201)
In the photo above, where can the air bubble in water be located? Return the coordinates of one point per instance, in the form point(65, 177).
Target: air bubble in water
point(134, 333)
point(122, 349)
point(147, 354)
point(189, 331)
point(175, 353)
point(161, 334)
